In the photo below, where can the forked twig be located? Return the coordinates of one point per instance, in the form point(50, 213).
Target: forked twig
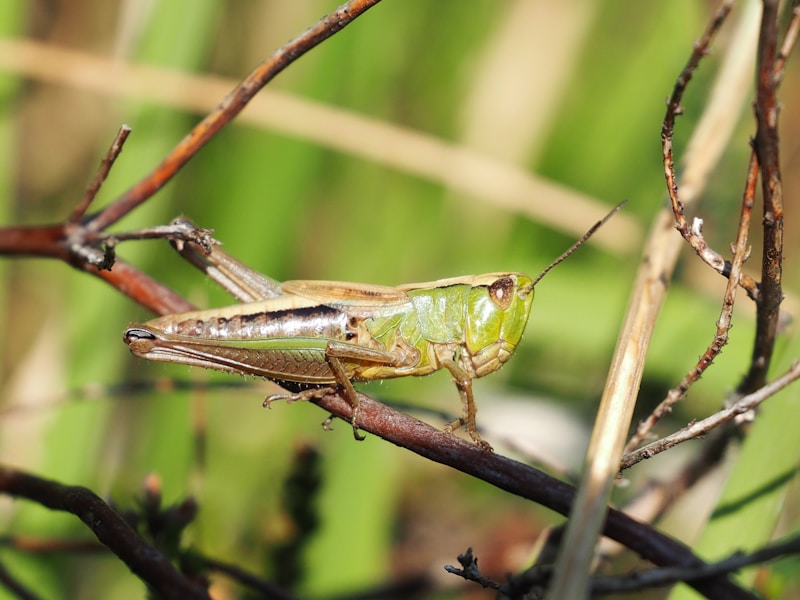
point(499, 471)
point(691, 234)
point(625, 374)
point(662, 494)
point(80, 240)
point(740, 253)
point(700, 428)
point(231, 106)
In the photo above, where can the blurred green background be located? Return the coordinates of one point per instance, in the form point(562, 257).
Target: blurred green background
point(358, 164)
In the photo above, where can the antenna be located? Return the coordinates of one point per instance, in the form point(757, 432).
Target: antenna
point(579, 243)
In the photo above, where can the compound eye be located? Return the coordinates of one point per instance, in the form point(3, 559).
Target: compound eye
point(502, 292)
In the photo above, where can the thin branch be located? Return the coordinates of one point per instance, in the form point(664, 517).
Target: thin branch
point(404, 431)
point(9, 582)
point(72, 244)
point(539, 576)
point(508, 187)
point(102, 173)
point(180, 230)
point(789, 41)
point(614, 416)
point(469, 570)
point(141, 288)
point(665, 576)
point(231, 106)
point(662, 494)
point(700, 428)
point(443, 448)
point(692, 234)
point(35, 545)
point(766, 146)
point(85, 248)
point(97, 248)
point(265, 589)
point(109, 527)
point(740, 253)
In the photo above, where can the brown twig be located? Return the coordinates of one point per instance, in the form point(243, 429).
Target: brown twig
point(105, 167)
point(692, 234)
point(404, 431)
point(141, 288)
point(662, 494)
point(767, 323)
point(714, 449)
point(700, 428)
point(495, 181)
point(87, 251)
point(789, 41)
point(766, 146)
point(109, 527)
point(442, 447)
point(740, 253)
point(97, 248)
point(83, 246)
point(231, 106)
point(614, 415)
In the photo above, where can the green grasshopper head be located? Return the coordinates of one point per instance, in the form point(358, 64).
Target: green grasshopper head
point(498, 307)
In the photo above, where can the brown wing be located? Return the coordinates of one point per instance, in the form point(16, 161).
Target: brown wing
point(344, 294)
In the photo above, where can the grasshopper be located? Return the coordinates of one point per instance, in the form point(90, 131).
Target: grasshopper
point(317, 336)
